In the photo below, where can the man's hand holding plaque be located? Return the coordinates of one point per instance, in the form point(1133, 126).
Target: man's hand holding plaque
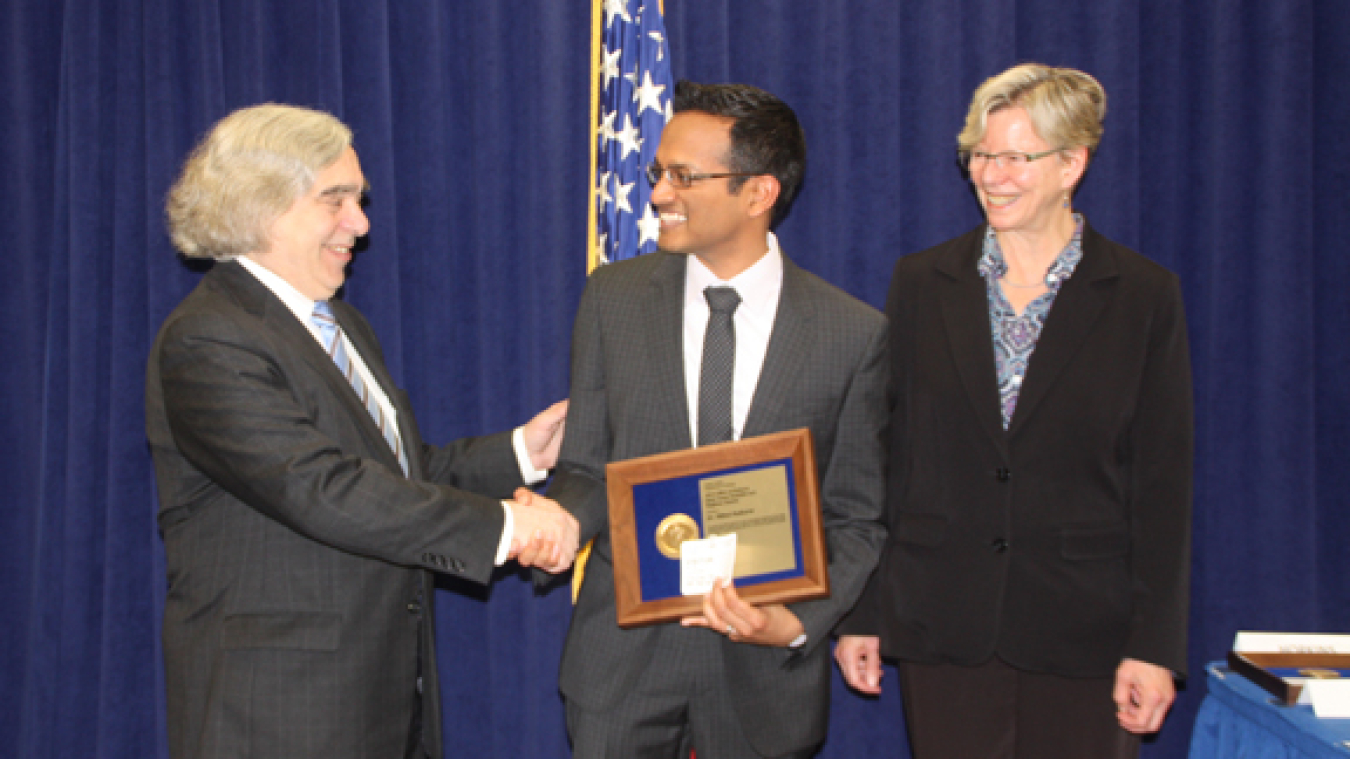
point(725, 612)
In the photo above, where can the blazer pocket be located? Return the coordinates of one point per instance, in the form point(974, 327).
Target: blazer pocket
point(1094, 543)
point(928, 530)
point(312, 631)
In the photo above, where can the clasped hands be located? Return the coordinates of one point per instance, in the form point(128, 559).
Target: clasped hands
point(544, 535)
point(725, 612)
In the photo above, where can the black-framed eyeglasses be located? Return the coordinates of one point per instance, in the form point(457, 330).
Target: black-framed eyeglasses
point(1008, 159)
point(682, 178)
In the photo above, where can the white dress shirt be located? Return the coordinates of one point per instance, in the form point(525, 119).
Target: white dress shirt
point(759, 287)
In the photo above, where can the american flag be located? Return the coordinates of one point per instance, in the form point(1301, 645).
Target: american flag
point(634, 88)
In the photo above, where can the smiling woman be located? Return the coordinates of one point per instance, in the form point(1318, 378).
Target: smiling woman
point(1026, 144)
point(1043, 445)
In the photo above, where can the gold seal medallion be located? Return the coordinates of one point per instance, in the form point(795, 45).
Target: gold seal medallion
point(674, 530)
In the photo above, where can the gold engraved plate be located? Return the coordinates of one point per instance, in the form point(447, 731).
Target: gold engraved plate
point(756, 506)
point(1319, 673)
point(674, 530)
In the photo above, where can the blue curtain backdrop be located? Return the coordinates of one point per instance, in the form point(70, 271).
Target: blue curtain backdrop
point(1224, 159)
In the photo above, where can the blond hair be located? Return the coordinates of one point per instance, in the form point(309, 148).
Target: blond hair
point(1066, 106)
point(251, 167)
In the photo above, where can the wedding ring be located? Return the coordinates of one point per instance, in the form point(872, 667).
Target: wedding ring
point(730, 631)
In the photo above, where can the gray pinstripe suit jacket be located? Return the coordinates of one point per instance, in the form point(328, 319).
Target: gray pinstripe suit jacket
point(825, 369)
point(297, 551)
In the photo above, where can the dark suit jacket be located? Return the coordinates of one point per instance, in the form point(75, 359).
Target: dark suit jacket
point(299, 595)
point(825, 369)
point(1062, 544)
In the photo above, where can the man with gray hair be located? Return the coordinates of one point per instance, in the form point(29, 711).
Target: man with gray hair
point(301, 512)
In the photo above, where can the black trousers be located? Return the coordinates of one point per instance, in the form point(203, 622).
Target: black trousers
point(995, 711)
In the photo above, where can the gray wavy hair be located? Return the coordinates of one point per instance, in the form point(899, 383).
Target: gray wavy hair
point(248, 170)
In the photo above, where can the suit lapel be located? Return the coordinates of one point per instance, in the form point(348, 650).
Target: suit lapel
point(789, 344)
point(1077, 307)
point(965, 315)
point(663, 329)
point(280, 321)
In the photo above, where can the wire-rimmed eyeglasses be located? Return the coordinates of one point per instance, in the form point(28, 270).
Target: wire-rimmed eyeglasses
point(1008, 159)
point(682, 178)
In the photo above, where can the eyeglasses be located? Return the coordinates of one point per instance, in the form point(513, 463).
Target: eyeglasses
point(682, 178)
point(1009, 159)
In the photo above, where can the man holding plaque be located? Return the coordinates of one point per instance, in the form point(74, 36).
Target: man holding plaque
point(718, 337)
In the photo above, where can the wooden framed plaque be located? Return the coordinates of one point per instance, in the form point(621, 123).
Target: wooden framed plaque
point(763, 489)
point(1285, 674)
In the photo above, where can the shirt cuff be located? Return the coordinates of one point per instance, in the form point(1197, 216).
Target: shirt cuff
point(798, 641)
point(528, 473)
point(508, 529)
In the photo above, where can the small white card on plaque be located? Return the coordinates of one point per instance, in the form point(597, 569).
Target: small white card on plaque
point(704, 561)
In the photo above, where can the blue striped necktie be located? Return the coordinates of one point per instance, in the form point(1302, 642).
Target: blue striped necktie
point(332, 341)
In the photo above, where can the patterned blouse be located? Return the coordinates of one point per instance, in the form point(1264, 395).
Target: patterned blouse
point(1015, 336)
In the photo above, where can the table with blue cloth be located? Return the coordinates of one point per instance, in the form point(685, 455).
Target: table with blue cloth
point(1238, 719)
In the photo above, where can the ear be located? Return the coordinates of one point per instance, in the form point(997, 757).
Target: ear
point(761, 192)
point(1074, 162)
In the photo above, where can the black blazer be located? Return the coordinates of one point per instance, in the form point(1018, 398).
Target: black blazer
point(1063, 544)
point(299, 598)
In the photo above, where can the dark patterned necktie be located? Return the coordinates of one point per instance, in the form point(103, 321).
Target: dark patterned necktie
point(719, 363)
point(332, 341)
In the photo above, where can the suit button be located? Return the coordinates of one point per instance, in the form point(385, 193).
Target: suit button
point(1003, 474)
point(999, 545)
point(457, 565)
point(414, 608)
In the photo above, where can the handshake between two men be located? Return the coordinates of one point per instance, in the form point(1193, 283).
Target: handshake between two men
point(543, 535)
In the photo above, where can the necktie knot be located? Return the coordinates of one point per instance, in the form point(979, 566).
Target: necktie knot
point(323, 319)
point(722, 300)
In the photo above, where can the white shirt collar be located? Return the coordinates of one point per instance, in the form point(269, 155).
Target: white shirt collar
point(301, 306)
point(758, 286)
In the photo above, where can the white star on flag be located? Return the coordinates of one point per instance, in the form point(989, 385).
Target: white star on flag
point(649, 226)
point(602, 191)
point(610, 68)
point(621, 193)
point(648, 95)
point(628, 139)
point(616, 9)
